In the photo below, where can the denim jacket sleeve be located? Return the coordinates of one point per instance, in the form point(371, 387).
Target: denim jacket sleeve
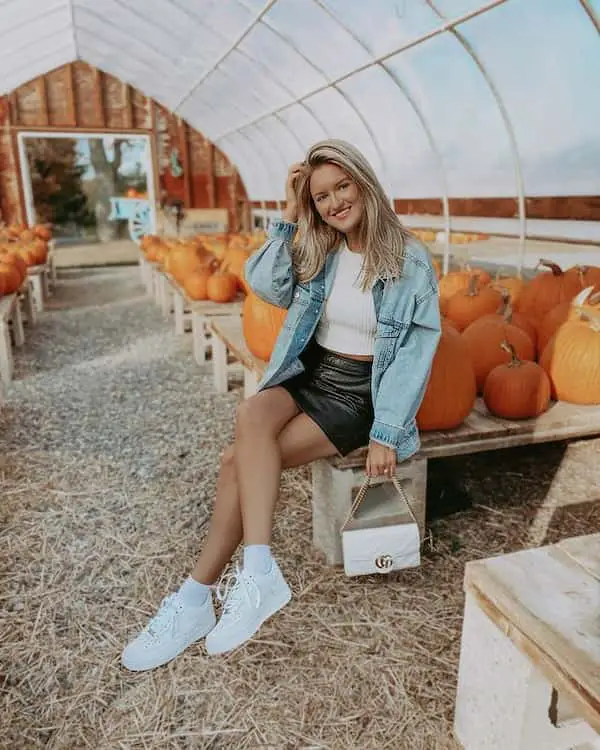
point(394, 417)
point(269, 271)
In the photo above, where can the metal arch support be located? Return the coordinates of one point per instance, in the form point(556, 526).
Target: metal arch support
point(292, 45)
point(509, 129)
point(265, 70)
point(587, 6)
point(440, 160)
point(424, 124)
point(375, 61)
point(265, 9)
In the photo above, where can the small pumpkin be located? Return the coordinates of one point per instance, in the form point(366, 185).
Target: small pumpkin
point(196, 285)
point(451, 389)
point(472, 303)
point(586, 275)
point(261, 324)
point(546, 290)
point(506, 312)
point(457, 281)
point(564, 311)
point(518, 389)
point(222, 287)
point(484, 337)
point(513, 285)
point(11, 277)
point(572, 360)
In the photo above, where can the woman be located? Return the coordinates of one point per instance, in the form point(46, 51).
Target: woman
point(348, 369)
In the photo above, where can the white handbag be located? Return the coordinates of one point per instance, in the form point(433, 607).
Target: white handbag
point(381, 533)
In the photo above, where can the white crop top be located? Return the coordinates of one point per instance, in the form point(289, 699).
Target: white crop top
point(348, 324)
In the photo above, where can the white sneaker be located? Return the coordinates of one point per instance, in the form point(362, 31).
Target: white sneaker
point(175, 626)
point(248, 600)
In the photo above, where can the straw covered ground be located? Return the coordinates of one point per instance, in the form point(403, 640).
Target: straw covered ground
point(109, 446)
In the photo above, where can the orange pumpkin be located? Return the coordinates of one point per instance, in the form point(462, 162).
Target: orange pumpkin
point(457, 281)
point(505, 311)
point(261, 324)
point(546, 290)
point(43, 231)
point(17, 261)
point(11, 277)
point(196, 285)
point(572, 360)
point(564, 311)
point(512, 285)
point(222, 287)
point(484, 338)
point(472, 303)
point(451, 390)
point(586, 275)
point(234, 261)
point(517, 390)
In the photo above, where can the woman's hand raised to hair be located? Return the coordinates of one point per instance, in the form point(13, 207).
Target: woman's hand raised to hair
point(381, 460)
point(291, 199)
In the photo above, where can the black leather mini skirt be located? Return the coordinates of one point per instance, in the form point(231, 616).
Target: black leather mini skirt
point(335, 392)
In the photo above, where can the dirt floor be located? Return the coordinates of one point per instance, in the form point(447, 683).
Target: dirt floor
point(109, 447)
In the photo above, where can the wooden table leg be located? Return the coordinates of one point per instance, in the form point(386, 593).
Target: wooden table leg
point(6, 360)
point(219, 359)
point(37, 291)
point(17, 321)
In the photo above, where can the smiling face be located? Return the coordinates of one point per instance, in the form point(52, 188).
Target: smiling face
point(337, 198)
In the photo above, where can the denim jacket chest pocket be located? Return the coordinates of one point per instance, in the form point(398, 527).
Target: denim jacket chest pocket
point(393, 324)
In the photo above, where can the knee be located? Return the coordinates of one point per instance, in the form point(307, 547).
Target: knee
point(227, 461)
point(251, 417)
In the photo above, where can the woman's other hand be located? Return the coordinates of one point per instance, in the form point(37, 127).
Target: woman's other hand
point(291, 199)
point(381, 460)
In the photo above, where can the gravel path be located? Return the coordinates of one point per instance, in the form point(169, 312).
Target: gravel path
point(109, 447)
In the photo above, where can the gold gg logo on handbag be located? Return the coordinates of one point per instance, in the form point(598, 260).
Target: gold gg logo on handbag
point(384, 562)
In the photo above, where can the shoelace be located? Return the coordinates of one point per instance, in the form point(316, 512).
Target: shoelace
point(234, 588)
point(163, 619)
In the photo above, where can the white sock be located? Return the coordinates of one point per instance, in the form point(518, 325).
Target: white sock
point(193, 592)
point(258, 558)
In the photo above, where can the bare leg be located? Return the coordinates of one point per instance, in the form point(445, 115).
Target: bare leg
point(258, 460)
point(300, 442)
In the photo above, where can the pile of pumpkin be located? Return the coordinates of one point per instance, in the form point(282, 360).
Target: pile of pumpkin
point(519, 344)
point(20, 248)
point(211, 267)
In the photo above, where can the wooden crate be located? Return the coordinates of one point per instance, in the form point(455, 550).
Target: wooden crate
point(529, 672)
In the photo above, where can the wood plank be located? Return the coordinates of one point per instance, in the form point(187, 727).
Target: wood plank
point(585, 550)
point(229, 330)
point(128, 106)
point(482, 432)
point(99, 104)
point(212, 182)
point(42, 88)
point(548, 605)
point(184, 148)
point(71, 103)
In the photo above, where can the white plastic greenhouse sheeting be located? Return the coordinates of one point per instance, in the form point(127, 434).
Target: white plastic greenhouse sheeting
point(446, 97)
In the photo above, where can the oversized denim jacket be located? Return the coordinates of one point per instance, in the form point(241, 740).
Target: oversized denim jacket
point(408, 330)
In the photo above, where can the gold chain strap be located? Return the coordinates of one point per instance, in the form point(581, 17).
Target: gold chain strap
point(360, 496)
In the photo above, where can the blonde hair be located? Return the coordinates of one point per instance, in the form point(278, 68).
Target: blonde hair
point(382, 235)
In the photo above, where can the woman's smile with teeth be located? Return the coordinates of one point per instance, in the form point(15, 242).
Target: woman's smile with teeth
point(341, 214)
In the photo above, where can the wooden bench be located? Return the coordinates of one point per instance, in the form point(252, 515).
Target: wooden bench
point(10, 313)
point(228, 339)
point(335, 481)
point(529, 672)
